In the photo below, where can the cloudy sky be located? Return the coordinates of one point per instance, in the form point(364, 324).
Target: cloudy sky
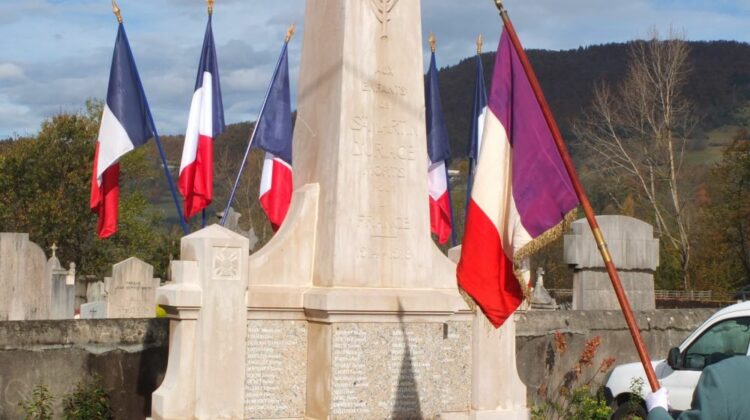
point(54, 54)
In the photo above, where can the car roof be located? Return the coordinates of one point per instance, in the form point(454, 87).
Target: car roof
point(737, 307)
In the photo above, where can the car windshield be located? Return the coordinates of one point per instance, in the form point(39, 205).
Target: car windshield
point(725, 339)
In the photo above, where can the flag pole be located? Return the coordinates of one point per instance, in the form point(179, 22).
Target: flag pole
point(210, 6)
point(472, 162)
point(433, 47)
point(185, 229)
point(587, 209)
point(289, 35)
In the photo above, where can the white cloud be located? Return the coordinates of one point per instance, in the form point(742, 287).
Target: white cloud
point(11, 71)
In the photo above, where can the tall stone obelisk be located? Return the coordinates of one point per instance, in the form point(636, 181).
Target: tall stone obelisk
point(351, 310)
point(360, 135)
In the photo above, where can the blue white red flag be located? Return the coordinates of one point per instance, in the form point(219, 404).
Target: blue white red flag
point(125, 126)
point(478, 113)
point(273, 134)
point(522, 195)
point(205, 123)
point(438, 151)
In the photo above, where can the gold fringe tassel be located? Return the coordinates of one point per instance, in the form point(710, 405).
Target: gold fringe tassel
point(537, 244)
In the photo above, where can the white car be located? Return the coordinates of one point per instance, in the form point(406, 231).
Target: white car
point(725, 334)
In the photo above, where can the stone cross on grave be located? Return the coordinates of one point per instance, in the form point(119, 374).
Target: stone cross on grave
point(53, 248)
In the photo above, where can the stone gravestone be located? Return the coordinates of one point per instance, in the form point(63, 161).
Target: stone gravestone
point(62, 288)
point(635, 253)
point(24, 284)
point(95, 291)
point(94, 310)
point(131, 291)
point(350, 311)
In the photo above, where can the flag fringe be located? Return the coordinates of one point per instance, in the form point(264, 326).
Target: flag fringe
point(470, 302)
point(549, 236)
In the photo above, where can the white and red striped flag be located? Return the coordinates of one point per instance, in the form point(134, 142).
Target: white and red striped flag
point(125, 126)
point(522, 196)
point(273, 134)
point(438, 151)
point(205, 123)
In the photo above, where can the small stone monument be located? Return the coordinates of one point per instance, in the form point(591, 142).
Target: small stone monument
point(129, 293)
point(540, 297)
point(62, 288)
point(635, 253)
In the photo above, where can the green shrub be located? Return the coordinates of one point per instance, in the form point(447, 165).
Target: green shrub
point(89, 400)
point(39, 406)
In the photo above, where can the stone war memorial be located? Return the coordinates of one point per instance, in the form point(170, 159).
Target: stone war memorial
point(350, 311)
point(634, 250)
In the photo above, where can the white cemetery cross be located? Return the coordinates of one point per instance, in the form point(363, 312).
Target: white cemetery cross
point(350, 311)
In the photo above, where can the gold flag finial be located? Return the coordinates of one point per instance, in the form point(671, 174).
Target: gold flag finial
point(290, 32)
point(499, 5)
point(432, 41)
point(210, 6)
point(116, 10)
point(480, 42)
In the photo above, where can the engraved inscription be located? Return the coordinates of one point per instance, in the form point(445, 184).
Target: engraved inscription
point(226, 264)
point(380, 227)
point(274, 377)
point(384, 88)
point(456, 366)
point(385, 233)
point(350, 383)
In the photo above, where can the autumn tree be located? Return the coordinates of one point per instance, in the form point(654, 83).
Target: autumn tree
point(45, 184)
point(723, 236)
point(636, 134)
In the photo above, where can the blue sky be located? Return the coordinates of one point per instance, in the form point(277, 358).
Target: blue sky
point(54, 54)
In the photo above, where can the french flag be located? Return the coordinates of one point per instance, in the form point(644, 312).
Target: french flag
point(125, 126)
point(522, 196)
point(273, 134)
point(478, 113)
point(205, 123)
point(438, 151)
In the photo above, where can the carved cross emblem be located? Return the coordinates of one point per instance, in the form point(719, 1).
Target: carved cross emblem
point(226, 263)
point(382, 10)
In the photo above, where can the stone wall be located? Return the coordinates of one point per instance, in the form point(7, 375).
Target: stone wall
point(539, 364)
point(131, 354)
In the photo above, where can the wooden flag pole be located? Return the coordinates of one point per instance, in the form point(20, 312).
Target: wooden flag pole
point(587, 209)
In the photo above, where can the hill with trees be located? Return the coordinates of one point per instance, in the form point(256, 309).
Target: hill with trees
point(718, 83)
